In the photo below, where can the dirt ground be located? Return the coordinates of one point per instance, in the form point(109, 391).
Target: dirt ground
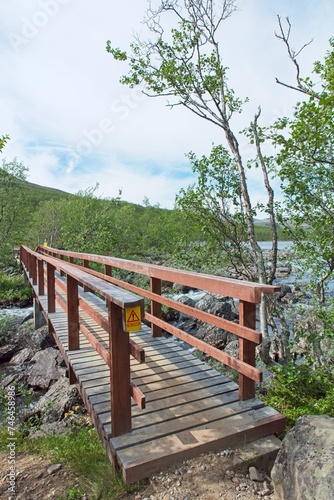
point(206, 477)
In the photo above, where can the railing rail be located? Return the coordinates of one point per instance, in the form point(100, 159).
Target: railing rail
point(249, 295)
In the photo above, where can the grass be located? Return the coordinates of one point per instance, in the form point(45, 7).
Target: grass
point(81, 452)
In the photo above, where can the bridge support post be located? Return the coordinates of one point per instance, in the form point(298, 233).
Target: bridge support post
point(247, 317)
point(39, 319)
point(119, 372)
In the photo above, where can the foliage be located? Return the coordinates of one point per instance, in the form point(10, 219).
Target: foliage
point(11, 207)
point(306, 168)
point(3, 140)
point(13, 288)
point(215, 204)
point(6, 328)
point(299, 389)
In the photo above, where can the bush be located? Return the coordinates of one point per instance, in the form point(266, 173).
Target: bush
point(13, 288)
point(301, 389)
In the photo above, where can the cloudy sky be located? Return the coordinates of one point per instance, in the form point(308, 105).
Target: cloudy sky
point(73, 124)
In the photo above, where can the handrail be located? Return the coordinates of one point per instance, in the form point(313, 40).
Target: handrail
point(249, 295)
point(117, 356)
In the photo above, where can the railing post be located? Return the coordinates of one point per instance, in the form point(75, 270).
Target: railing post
point(156, 306)
point(247, 317)
point(62, 257)
point(51, 285)
point(40, 264)
point(107, 272)
point(72, 313)
point(86, 265)
point(119, 372)
point(33, 270)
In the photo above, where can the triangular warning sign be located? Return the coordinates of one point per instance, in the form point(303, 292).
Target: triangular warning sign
point(133, 317)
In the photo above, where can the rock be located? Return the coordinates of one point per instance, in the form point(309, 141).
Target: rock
point(22, 356)
point(232, 348)
point(44, 369)
point(216, 305)
point(304, 467)
point(182, 288)
point(54, 468)
point(7, 351)
point(10, 379)
point(57, 401)
point(254, 475)
point(188, 301)
point(284, 290)
point(289, 298)
point(51, 429)
point(36, 340)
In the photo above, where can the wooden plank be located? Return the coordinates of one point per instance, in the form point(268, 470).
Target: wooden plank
point(219, 390)
point(141, 461)
point(208, 419)
point(171, 413)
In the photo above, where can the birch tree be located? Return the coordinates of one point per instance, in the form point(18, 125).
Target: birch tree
point(184, 65)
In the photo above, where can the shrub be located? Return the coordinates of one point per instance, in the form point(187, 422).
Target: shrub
point(301, 389)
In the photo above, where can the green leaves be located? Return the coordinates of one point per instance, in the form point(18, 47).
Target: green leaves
point(3, 140)
point(12, 216)
point(306, 169)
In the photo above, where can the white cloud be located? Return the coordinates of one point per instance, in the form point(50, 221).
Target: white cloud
point(74, 124)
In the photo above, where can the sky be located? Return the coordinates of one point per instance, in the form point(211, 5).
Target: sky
point(73, 124)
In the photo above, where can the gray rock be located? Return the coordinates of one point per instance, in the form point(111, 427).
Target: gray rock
point(182, 288)
point(188, 301)
point(57, 401)
point(54, 468)
point(7, 351)
point(304, 467)
point(51, 429)
point(22, 356)
point(36, 340)
point(43, 369)
point(12, 378)
point(254, 475)
point(217, 305)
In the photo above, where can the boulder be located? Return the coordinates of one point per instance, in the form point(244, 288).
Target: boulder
point(59, 399)
point(22, 356)
point(182, 288)
point(304, 467)
point(7, 351)
point(217, 305)
point(36, 340)
point(43, 369)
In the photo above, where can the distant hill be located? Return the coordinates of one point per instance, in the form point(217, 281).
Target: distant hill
point(36, 194)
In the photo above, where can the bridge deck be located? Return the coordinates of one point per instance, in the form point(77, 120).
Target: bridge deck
point(190, 407)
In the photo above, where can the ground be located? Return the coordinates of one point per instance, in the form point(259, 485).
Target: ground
point(206, 478)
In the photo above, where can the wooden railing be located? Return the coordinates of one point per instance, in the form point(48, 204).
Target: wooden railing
point(41, 269)
point(248, 294)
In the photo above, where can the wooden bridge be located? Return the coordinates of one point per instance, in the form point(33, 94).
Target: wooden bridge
point(152, 402)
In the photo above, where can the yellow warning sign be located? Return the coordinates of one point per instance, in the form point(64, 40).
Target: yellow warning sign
point(132, 319)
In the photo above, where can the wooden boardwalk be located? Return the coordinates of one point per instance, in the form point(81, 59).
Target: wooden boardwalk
point(190, 407)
